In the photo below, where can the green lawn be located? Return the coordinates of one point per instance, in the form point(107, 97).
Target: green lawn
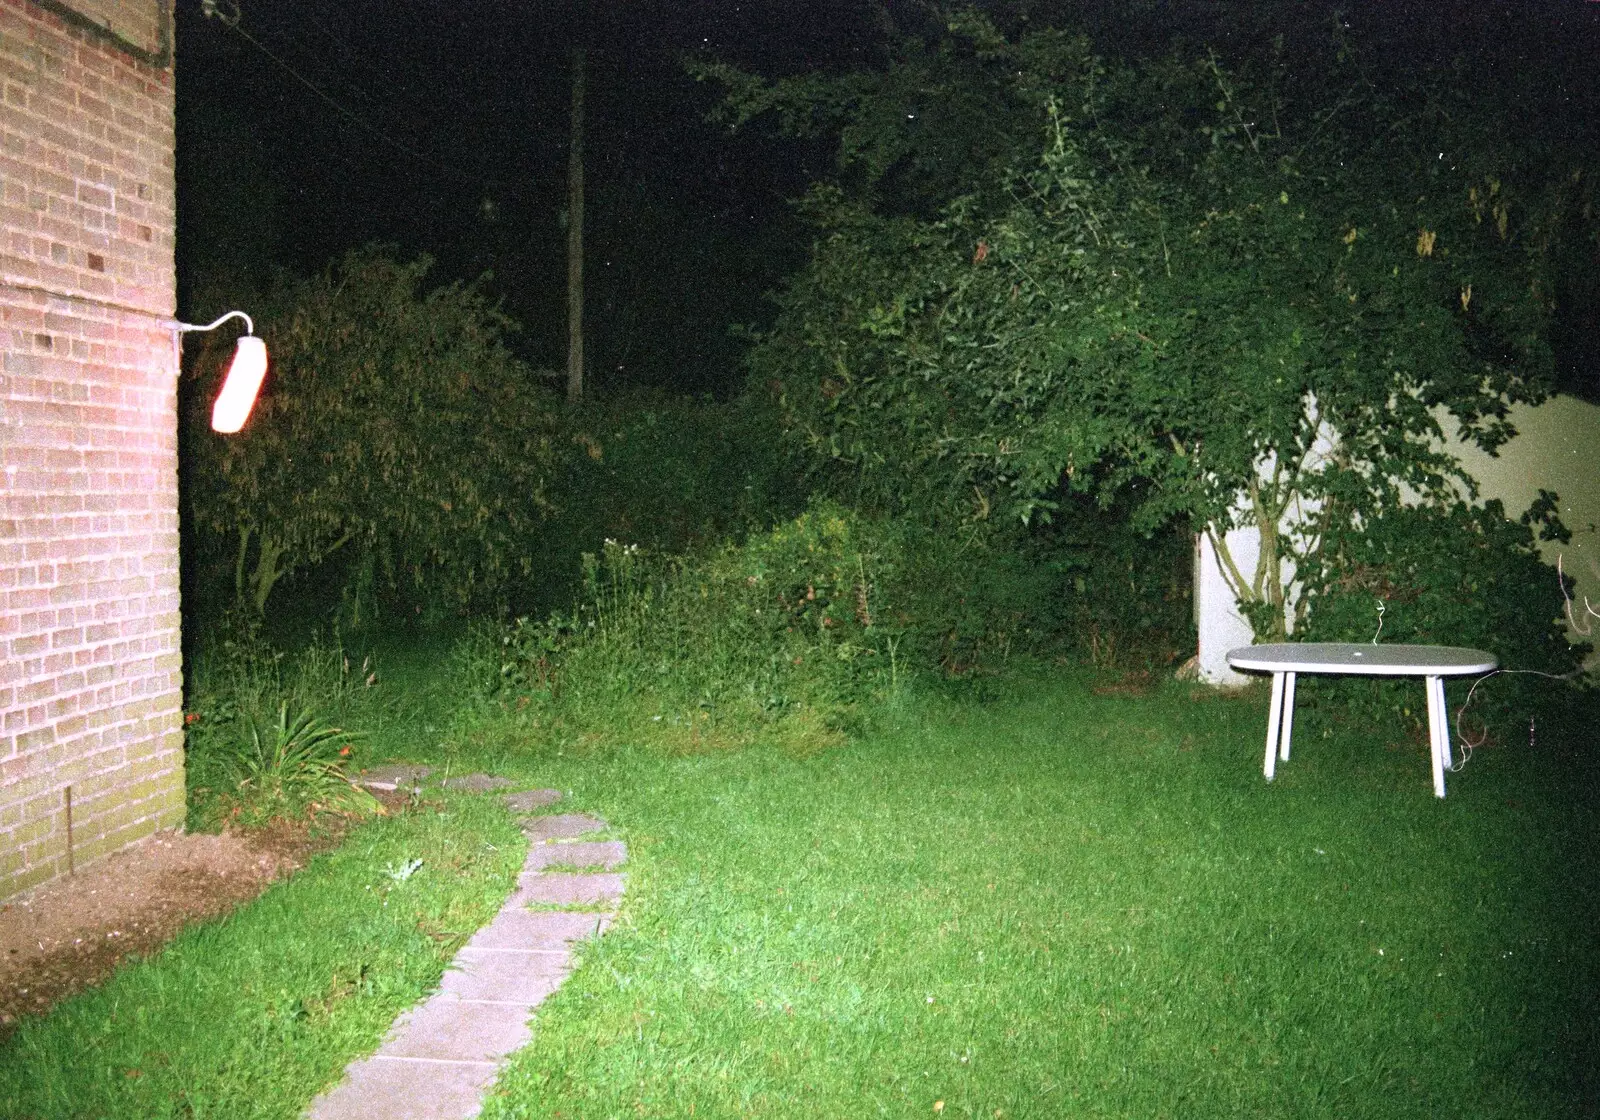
point(249, 1016)
point(1053, 904)
point(1082, 905)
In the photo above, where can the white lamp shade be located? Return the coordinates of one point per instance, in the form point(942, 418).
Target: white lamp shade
point(239, 390)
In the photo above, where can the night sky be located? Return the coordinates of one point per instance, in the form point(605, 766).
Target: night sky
point(308, 128)
point(444, 130)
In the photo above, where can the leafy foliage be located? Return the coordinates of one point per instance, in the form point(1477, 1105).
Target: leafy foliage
point(395, 429)
point(930, 125)
point(1449, 575)
point(1200, 301)
point(1456, 574)
point(668, 474)
point(786, 635)
point(1123, 599)
point(777, 638)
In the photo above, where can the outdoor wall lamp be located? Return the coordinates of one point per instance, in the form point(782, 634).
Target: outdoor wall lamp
point(243, 382)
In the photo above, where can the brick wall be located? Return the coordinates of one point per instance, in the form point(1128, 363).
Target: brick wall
point(90, 696)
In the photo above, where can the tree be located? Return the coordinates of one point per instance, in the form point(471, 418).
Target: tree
point(394, 426)
point(1199, 297)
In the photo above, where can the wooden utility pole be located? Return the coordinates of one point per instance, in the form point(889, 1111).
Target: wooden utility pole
point(575, 236)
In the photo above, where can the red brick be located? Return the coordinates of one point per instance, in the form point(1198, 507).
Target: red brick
point(89, 668)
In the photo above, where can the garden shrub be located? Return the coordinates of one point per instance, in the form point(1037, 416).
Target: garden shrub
point(1086, 585)
point(402, 463)
point(1131, 289)
point(964, 597)
point(669, 474)
point(774, 637)
point(1125, 598)
point(1458, 575)
point(398, 444)
point(788, 633)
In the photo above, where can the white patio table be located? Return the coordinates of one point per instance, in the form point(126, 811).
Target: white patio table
point(1285, 660)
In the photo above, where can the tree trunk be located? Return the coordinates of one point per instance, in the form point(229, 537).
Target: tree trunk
point(575, 236)
point(245, 533)
point(267, 572)
point(1261, 599)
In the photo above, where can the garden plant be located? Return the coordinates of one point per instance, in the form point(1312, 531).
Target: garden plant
point(874, 665)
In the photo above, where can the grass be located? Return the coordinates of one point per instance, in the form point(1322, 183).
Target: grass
point(250, 1016)
point(1057, 902)
point(1079, 905)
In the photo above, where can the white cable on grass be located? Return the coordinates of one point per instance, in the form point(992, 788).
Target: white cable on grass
point(1467, 746)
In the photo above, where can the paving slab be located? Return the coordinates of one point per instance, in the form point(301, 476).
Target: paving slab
point(477, 783)
point(563, 888)
point(561, 826)
point(403, 1089)
point(531, 799)
point(535, 929)
point(505, 976)
point(594, 853)
point(452, 1029)
point(442, 1056)
point(393, 775)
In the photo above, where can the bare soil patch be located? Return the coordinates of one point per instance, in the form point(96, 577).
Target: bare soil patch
point(73, 932)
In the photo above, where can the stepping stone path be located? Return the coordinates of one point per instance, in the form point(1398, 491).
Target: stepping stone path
point(393, 776)
point(440, 1057)
point(477, 783)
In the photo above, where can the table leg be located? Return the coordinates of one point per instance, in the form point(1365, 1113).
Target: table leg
point(1438, 732)
point(1288, 715)
point(1444, 723)
point(1274, 715)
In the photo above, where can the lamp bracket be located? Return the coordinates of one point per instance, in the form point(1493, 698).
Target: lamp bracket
point(249, 324)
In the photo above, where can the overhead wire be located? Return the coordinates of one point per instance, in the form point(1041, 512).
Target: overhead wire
point(364, 99)
point(377, 69)
point(476, 179)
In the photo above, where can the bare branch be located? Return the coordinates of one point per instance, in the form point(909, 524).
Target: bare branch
point(1584, 627)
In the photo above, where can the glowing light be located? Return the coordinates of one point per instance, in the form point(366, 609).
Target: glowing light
point(245, 373)
point(243, 382)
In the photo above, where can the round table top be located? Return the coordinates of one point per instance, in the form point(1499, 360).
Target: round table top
point(1363, 659)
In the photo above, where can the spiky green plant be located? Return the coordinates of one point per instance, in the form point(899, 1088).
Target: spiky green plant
point(295, 762)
